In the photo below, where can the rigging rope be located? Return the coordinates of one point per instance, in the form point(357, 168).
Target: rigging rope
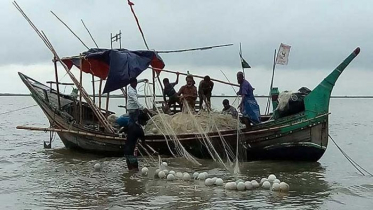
point(353, 163)
point(18, 109)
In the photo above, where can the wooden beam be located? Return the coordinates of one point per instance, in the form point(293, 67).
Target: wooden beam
point(69, 131)
point(174, 72)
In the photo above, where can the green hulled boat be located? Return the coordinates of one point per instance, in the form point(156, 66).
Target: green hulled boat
point(300, 134)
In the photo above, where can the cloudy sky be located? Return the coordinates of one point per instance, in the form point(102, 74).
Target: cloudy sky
point(321, 34)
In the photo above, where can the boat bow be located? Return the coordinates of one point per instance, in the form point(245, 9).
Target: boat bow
point(317, 102)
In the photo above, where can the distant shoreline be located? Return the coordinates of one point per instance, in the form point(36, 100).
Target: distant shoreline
point(215, 96)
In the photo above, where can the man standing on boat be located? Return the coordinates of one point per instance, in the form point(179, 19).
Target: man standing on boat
point(188, 93)
point(204, 90)
point(248, 106)
point(133, 105)
point(169, 91)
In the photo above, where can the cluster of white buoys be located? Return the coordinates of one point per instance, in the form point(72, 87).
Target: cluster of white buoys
point(270, 183)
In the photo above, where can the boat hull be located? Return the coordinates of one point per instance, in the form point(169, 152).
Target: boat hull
point(298, 146)
point(292, 138)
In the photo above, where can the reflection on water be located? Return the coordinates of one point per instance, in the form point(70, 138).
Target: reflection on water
point(35, 178)
point(68, 179)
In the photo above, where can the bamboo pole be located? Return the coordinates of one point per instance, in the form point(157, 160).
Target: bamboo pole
point(160, 83)
point(124, 91)
point(80, 91)
point(193, 49)
point(93, 89)
point(49, 45)
point(70, 30)
point(89, 33)
point(69, 131)
point(126, 99)
point(270, 88)
point(57, 84)
point(174, 72)
point(243, 69)
point(99, 94)
point(107, 105)
point(154, 90)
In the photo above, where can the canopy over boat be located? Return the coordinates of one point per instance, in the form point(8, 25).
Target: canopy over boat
point(117, 65)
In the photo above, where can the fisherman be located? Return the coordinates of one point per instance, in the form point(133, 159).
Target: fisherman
point(133, 105)
point(204, 90)
point(169, 91)
point(134, 133)
point(248, 106)
point(188, 93)
point(228, 109)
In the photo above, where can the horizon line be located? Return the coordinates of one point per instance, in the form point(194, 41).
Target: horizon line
point(216, 96)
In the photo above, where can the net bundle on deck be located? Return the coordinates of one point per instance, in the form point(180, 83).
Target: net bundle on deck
point(183, 123)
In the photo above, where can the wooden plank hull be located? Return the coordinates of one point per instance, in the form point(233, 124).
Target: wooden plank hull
point(302, 145)
point(290, 138)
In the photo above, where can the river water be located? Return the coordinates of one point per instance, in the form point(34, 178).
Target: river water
point(32, 177)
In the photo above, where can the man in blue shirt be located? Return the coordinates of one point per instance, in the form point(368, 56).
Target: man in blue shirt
point(248, 106)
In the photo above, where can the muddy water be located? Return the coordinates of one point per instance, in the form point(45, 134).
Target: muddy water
point(34, 178)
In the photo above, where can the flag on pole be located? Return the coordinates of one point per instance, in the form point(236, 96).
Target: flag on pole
point(283, 54)
point(243, 62)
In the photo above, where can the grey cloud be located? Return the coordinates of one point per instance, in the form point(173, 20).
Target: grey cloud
point(321, 33)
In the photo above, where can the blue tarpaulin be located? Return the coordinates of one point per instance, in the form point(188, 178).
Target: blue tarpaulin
point(117, 65)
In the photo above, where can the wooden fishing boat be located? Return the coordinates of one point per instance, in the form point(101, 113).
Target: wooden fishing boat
point(301, 136)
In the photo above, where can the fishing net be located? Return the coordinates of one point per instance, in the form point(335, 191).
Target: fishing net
point(184, 123)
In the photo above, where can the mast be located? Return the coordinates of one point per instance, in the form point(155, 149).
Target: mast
point(270, 88)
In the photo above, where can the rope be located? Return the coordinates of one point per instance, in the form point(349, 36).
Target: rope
point(193, 49)
point(353, 163)
point(18, 109)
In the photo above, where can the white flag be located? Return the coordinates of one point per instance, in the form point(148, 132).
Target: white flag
point(283, 54)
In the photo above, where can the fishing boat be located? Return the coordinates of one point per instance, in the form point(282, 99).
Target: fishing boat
point(300, 135)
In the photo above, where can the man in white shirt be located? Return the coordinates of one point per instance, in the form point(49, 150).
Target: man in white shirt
point(133, 105)
point(135, 130)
